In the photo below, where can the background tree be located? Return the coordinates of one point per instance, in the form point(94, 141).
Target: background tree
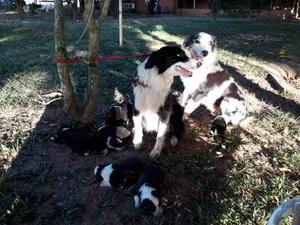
point(296, 9)
point(86, 111)
point(215, 6)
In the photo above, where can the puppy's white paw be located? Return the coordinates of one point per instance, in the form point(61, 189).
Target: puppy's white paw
point(155, 152)
point(137, 146)
point(137, 142)
point(137, 202)
point(174, 140)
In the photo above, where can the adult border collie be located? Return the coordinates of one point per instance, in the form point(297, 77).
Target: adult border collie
point(153, 103)
point(210, 85)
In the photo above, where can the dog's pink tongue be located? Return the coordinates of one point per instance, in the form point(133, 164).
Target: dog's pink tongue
point(184, 72)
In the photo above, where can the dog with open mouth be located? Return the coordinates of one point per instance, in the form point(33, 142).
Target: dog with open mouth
point(153, 104)
point(211, 86)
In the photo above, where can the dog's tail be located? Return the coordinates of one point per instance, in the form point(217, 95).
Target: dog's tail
point(177, 127)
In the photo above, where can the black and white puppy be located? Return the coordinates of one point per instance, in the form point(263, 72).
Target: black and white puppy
point(120, 175)
point(218, 128)
point(147, 190)
point(119, 114)
point(152, 110)
point(210, 85)
point(99, 139)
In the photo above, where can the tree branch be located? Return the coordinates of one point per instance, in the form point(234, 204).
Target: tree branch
point(89, 115)
point(70, 101)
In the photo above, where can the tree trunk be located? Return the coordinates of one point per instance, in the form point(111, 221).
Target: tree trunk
point(19, 5)
point(214, 9)
point(89, 114)
point(297, 13)
point(114, 8)
point(82, 7)
point(70, 102)
point(271, 5)
point(74, 7)
point(104, 12)
point(293, 11)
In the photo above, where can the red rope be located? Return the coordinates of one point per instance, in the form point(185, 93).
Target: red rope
point(103, 58)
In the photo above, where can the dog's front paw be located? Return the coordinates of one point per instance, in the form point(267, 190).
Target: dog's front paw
point(155, 152)
point(137, 146)
point(137, 142)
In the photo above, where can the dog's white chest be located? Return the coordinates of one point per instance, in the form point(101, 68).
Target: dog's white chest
point(192, 83)
point(147, 100)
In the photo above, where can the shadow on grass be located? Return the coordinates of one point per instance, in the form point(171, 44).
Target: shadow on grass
point(47, 184)
point(284, 104)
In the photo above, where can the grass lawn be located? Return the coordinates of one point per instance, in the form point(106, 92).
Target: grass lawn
point(44, 183)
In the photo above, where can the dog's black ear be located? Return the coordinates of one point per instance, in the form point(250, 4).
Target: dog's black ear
point(157, 59)
point(152, 60)
point(156, 194)
point(213, 43)
point(190, 40)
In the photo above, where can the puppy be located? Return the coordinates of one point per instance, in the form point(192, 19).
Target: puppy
point(152, 108)
point(100, 139)
point(119, 176)
point(147, 190)
point(119, 115)
point(210, 85)
point(218, 128)
point(114, 137)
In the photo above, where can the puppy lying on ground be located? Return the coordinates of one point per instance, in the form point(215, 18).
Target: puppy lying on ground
point(119, 176)
point(100, 140)
point(210, 85)
point(147, 190)
point(110, 135)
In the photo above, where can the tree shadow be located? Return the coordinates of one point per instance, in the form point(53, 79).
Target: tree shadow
point(284, 104)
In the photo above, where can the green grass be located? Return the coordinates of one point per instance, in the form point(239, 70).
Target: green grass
point(242, 184)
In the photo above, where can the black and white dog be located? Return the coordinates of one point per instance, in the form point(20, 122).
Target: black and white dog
point(153, 103)
point(147, 190)
point(210, 85)
point(120, 175)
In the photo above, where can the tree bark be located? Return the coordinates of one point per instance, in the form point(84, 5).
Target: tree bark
point(92, 94)
point(82, 7)
point(89, 114)
point(70, 102)
point(104, 12)
point(74, 7)
point(297, 13)
point(294, 7)
point(19, 5)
